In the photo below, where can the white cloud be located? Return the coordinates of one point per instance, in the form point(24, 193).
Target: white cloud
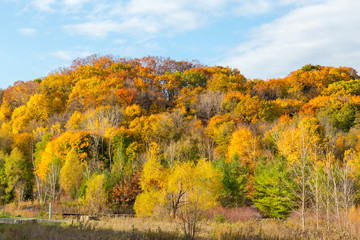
point(119, 41)
point(246, 8)
point(69, 55)
point(139, 17)
point(94, 29)
point(43, 5)
point(27, 31)
point(144, 17)
point(322, 33)
point(73, 3)
point(257, 7)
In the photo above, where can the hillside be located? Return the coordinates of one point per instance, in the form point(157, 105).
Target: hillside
point(106, 131)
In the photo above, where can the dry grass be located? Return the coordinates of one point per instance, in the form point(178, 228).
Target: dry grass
point(241, 223)
point(78, 231)
point(26, 209)
point(141, 224)
point(133, 228)
point(234, 215)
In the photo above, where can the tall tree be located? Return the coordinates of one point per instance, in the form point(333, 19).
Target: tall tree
point(18, 173)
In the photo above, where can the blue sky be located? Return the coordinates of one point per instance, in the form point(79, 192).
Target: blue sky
point(262, 38)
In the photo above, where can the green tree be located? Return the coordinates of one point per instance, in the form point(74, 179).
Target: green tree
point(18, 173)
point(5, 197)
point(235, 181)
point(273, 196)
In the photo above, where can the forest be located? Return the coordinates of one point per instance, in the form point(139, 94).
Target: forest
point(159, 137)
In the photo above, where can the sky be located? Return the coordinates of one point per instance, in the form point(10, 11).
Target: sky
point(262, 38)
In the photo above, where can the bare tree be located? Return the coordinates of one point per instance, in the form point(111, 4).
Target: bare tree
point(53, 178)
point(209, 104)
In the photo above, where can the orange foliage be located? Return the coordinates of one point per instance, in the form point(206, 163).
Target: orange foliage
point(125, 192)
point(126, 96)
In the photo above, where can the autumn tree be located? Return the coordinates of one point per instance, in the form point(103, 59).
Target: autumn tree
point(196, 189)
point(226, 79)
point(18, 173)
point(71, 174)
point(39, 148)
point(95, 198)
point(125, 192)
point(36, 109)
point(152, 182)
point(245, 145)
point(220, 129)
point(17, 95)
point(102, 122)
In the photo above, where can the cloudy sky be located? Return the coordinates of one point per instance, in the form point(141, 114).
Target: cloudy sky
point(262, 38)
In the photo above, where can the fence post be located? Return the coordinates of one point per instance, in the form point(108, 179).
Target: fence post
point(50, 210)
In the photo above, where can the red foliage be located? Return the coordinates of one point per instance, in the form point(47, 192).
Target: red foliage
point(125, 192)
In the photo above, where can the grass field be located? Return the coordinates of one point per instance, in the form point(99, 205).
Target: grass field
point(241, 223)
point(134, 228)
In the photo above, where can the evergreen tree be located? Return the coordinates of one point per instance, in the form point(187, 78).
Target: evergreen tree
point(273, 186)
point(235, 181)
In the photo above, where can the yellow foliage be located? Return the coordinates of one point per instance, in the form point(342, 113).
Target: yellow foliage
point(38, 108)
point(299, 137)
point(20, 119)
point(35, 109)
point(185, 185)
point(75, 122)
point(133, 111)
point(95, 199)
point(39, 132)
point(152, 182)
point(145, 204)
point(55, 148)
point(220, 129)
point(46, 157)
point(192, 189)
point(56, 129)
point(143, 127)
point(245, 145)
point(248, 109)
point(5, 110)
point(154, 174)
point(352, 162)
point(71, 173)
point(289, 106)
